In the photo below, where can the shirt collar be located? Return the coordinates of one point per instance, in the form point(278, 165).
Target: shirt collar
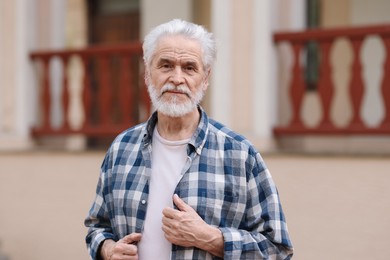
point(197, 140)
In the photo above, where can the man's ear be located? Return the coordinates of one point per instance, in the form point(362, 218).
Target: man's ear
point(206, 79)
point(147, 76)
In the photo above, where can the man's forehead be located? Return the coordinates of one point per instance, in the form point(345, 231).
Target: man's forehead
point(178, 47)
point(177, 57)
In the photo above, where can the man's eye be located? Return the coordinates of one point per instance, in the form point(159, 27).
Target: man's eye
point(189, 68)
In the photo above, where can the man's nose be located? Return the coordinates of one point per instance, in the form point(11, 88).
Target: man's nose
point(177, 77)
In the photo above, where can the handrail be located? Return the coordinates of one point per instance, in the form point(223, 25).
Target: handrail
point(111, 95)
point(128, 48)
point(331, 33)
point(325, 39)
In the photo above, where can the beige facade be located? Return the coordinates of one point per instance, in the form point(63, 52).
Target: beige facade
point(335, 206)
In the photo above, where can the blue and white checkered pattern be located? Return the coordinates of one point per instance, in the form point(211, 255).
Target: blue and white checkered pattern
point(224, 179)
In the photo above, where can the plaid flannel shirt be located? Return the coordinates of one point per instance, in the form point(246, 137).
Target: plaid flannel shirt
point(224, 179)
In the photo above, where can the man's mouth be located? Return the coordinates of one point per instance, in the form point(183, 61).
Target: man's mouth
point(175, 92)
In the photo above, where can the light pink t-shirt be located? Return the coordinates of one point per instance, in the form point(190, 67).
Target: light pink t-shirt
point(168, 159)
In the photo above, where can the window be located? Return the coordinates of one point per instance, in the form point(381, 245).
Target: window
point(313, 9)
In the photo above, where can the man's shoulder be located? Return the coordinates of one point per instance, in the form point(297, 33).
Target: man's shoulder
point(131, 135)
point(222, 131)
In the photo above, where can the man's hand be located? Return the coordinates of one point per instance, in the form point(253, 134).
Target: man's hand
point(184, 227)
point(124, 249)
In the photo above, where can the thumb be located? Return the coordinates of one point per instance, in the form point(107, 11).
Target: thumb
point(132, 238)
point(180, 204)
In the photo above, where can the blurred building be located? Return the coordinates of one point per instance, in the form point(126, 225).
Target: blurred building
point(335, 98)
point(309, 76)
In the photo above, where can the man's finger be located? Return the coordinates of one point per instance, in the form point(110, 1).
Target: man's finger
point(180, 204)
point(132, 238)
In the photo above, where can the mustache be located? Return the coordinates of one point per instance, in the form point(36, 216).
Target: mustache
point(180, 88)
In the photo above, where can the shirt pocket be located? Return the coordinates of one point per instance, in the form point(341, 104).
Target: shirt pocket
point(220, 208)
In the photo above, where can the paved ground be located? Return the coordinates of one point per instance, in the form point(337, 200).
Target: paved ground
point(336, 207)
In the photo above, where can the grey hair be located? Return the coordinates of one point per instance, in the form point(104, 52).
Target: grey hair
point(183, 28)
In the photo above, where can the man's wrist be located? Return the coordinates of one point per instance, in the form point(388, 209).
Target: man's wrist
point(106, 248)
point(215, 242)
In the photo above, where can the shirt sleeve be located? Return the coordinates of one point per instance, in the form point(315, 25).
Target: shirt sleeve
point(263, 233)
point(98, 221)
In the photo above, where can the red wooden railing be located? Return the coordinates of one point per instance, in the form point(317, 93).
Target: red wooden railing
point(112, 87)
point(325, 39)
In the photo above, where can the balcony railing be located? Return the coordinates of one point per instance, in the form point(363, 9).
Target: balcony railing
point(109, 89)
point(297, 88)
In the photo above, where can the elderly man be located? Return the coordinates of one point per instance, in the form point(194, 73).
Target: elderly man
point(181, 185)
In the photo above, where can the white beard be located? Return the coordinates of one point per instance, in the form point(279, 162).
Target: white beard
point(173, 107)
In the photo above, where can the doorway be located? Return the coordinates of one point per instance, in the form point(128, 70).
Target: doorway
point(113, 22)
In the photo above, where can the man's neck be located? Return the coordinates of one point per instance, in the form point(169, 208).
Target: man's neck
point(178, 128)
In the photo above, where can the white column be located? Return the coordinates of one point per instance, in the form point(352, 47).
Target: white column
point(264, 90)
point(220, 88)
point(15, 75)
point(242, 91)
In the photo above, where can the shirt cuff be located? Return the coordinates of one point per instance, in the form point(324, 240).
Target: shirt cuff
point(232, 243)
point(95, 247)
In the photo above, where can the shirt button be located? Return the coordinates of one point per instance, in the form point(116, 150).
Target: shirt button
point(143, 202)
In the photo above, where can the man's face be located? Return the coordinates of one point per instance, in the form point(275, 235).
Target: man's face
point(176, 77)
